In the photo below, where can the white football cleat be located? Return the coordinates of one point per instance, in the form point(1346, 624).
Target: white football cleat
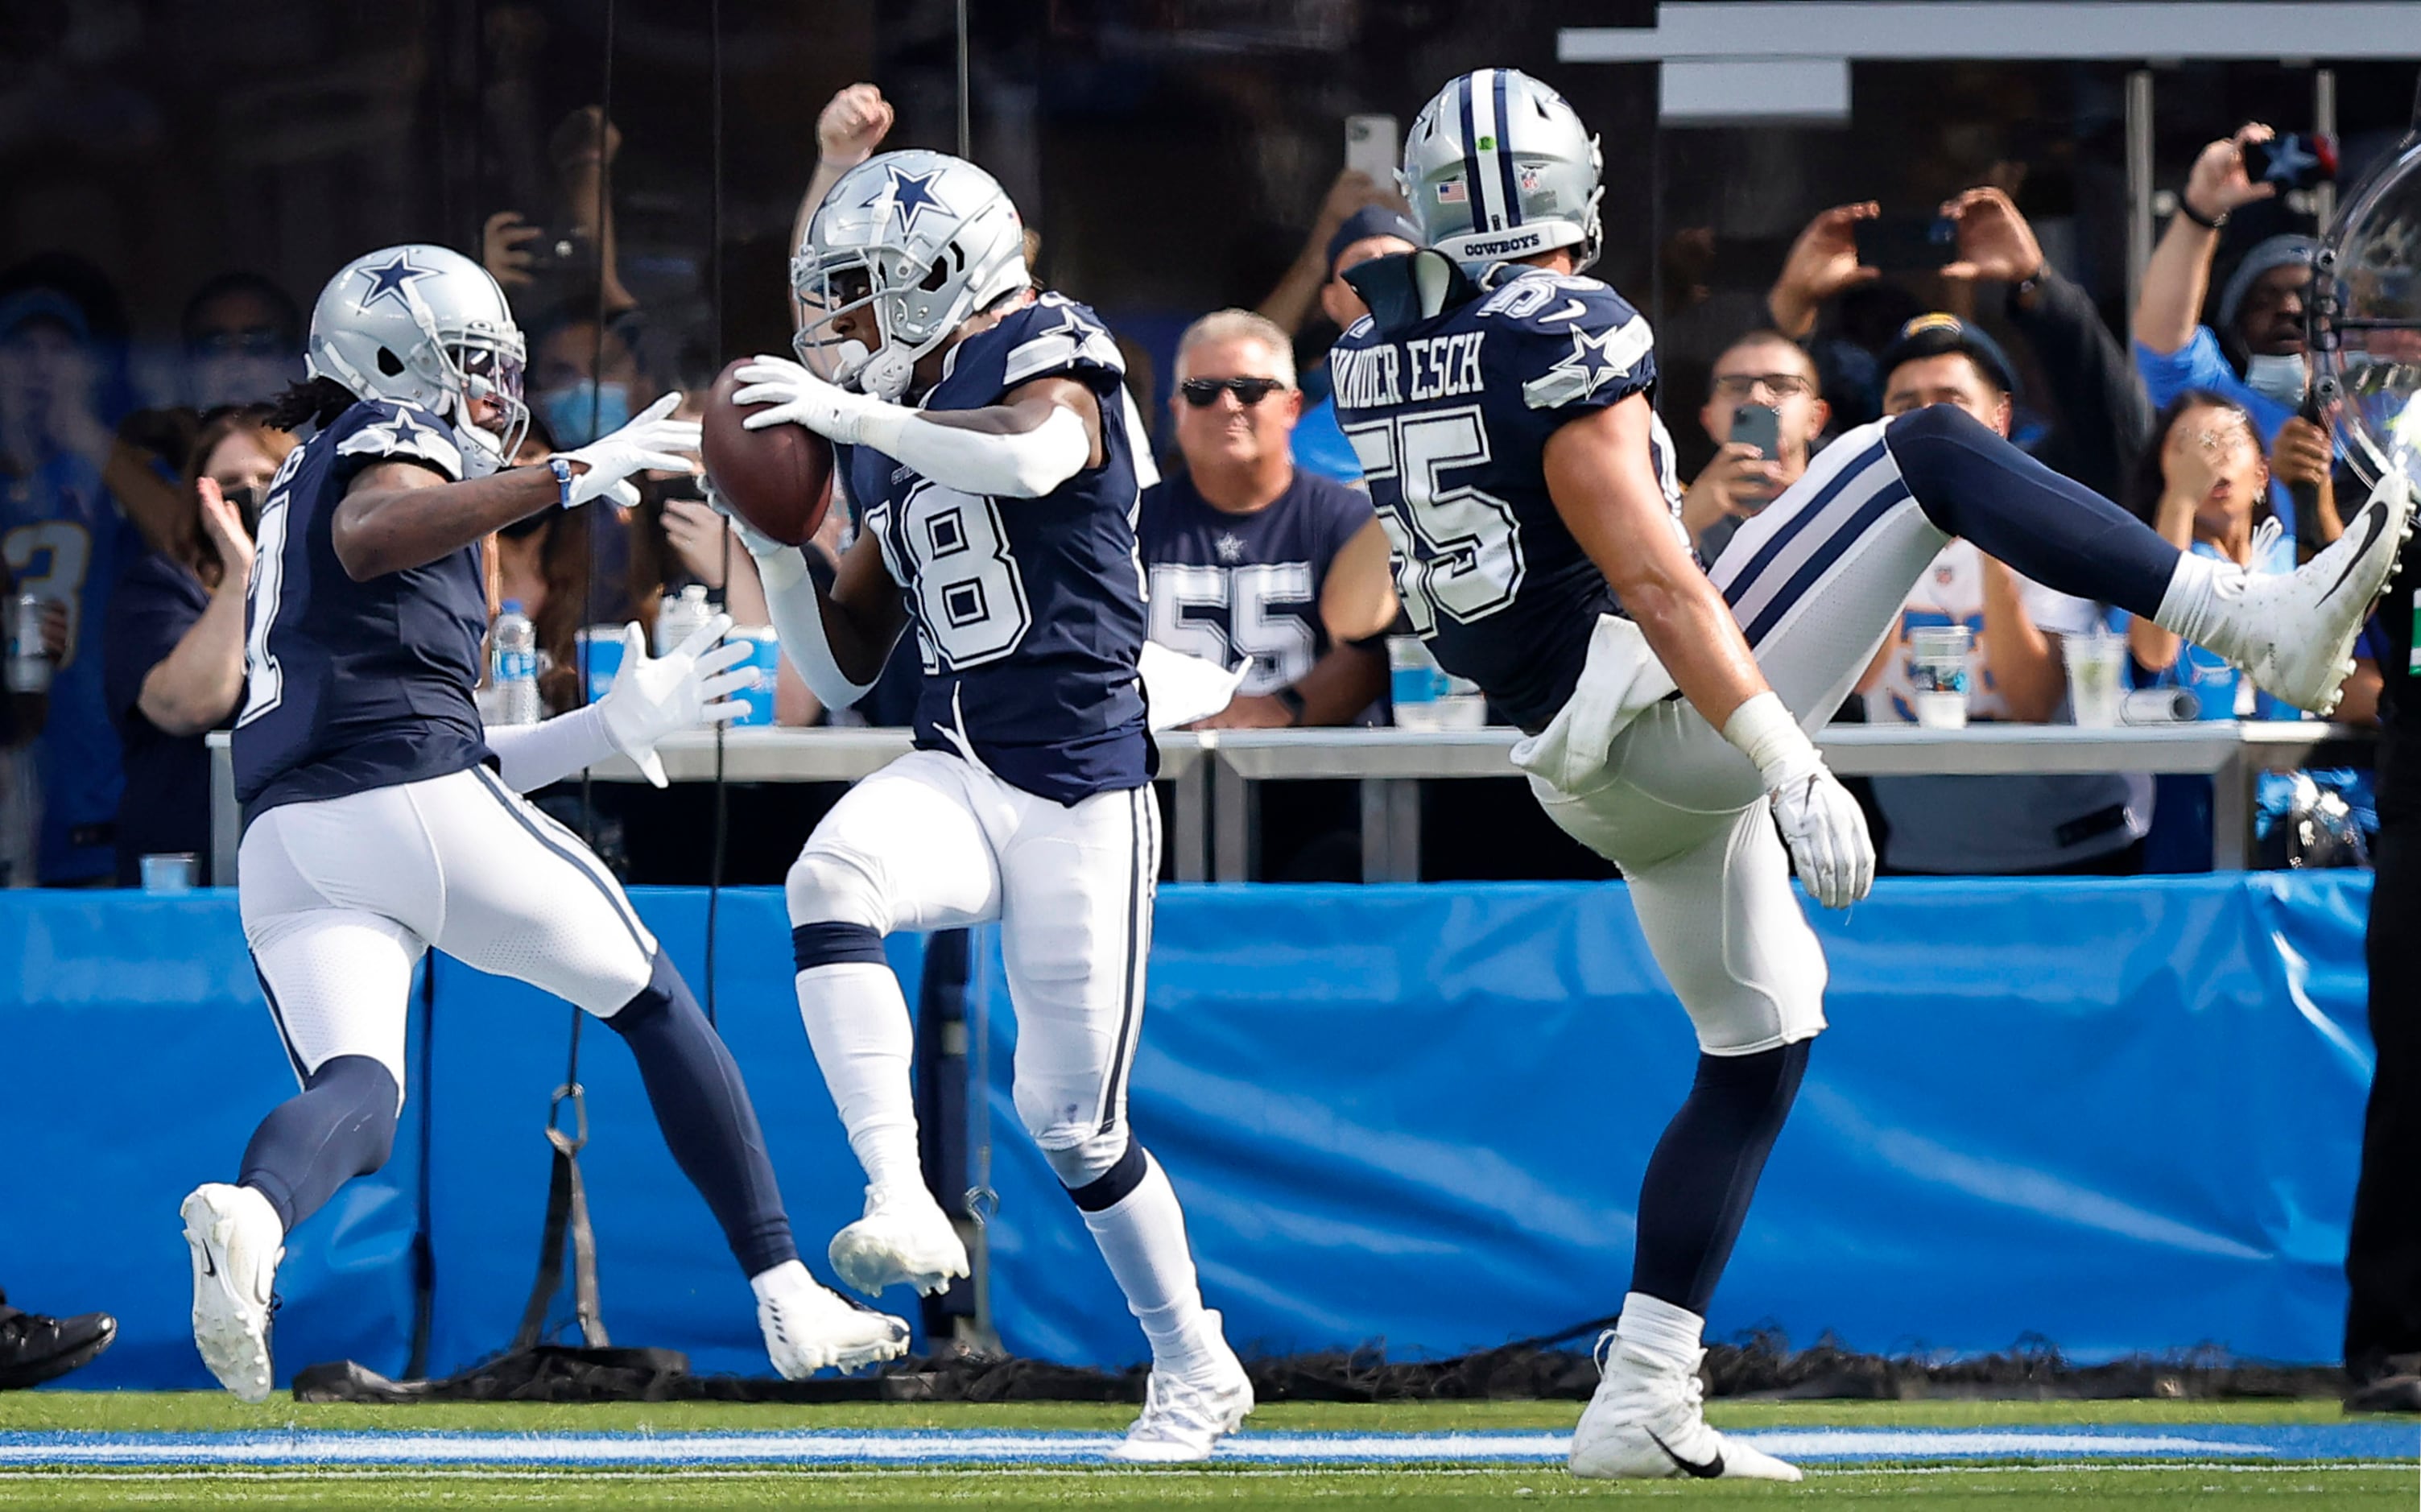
point(2294, 633)
point(1185, 1418)
point(904, 1237)
point(236, 1242)
point(1646, 1423)
point(809, 1327)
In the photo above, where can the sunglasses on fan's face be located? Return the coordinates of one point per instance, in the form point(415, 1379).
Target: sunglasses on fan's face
point(1202, 393)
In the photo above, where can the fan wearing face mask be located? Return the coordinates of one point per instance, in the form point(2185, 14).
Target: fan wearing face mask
point(2254, 353)
point(173, 665)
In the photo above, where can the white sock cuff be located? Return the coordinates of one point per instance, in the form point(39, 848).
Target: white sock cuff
point(1663, 1330)
point(787, 1276)
point(2190, 604)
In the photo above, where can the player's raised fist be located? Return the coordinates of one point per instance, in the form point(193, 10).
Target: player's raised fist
point(853, 125)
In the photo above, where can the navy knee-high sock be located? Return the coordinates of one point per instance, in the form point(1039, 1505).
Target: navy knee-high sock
point(1704, 1172)
point(1975, 485)
point(703, 1108)
point(341, 1125)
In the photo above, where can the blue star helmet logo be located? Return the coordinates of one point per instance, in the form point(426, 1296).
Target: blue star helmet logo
point(389, 281)
point(911, 195)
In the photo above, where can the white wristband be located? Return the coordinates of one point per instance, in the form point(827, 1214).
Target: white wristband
point(1769, 735)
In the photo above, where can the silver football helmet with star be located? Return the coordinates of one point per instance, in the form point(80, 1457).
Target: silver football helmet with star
point(1498, 167)
point(428, 326)
point(917, 242)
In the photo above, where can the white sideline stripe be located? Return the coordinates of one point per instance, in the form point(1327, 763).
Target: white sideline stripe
point(796, 1473)
point(2279, 1443)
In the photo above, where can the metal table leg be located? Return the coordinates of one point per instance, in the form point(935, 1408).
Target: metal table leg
point(1193, 789)
point(1403, 830)
point(2232, 812)
point(1232, 825)
point(226, 826)
point(1377, 841)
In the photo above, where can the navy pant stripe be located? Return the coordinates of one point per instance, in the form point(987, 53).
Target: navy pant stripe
point(1886, 499)
point(573, 853)
point(1143, 809)
point(1791, 527)
point(277, 1017)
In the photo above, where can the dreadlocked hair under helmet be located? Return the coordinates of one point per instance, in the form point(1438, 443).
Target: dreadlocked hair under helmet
point(315, 401)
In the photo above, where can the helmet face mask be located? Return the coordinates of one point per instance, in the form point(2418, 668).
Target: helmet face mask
point(1497, 167)
point(426, 325)
point(904, 249)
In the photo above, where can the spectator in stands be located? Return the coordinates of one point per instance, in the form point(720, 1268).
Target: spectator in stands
point(2018, 824)
point(1377, 230)
point(2253, 357)
point(545, 265)
point(242, 339)
point(1762, 368)
point(66, 542)
point(174, 647)
point(2204, 485)
point(583, 385)
point(34, 1348)
point(1251, 555)
point(21, 720)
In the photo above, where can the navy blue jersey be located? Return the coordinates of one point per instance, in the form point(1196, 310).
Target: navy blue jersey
point(351, 686)
point(1028, 613)
point(1225, 586)
point(1450, 414)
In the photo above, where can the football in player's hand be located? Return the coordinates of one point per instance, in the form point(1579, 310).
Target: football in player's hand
point(779, 479)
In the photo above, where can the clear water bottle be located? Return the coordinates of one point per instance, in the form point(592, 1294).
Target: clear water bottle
point(514, 672)
point(679, 615)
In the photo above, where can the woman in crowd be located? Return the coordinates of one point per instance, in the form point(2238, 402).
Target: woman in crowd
point(174, 643)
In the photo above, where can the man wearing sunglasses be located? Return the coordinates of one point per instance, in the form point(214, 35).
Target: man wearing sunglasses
point(1252, 555)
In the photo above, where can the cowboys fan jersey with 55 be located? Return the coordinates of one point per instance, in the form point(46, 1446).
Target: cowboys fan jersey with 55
point(351, 686)
point(1450, 416)
point(1028, 613)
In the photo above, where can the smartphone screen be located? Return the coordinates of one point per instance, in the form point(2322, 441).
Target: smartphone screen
point(1758, 426)
point(1906, 242)
point(1370, 148)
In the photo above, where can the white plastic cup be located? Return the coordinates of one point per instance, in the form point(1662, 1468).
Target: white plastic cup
point(1938, 662)
point(765, 656)
point(600, 657)
point(171, 871)
point(2096, 664)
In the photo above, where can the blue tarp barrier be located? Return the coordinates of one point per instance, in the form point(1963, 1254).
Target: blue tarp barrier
point(2121, 1115)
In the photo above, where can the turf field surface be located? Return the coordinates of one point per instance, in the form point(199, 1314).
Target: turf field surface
point(61, 1449)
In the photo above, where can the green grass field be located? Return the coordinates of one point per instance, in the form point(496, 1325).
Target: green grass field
point(2070, 1485)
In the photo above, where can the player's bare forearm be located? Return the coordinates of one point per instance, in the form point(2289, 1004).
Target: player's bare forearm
point(863, 612)
point(2175, 281)
point(1599, 475)
point(1341, 684)
point(397, 516)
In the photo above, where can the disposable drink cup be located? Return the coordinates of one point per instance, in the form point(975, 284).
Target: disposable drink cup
point(173, 871)
point(1938, 658)
point(1414, 682)
point(2093, 664)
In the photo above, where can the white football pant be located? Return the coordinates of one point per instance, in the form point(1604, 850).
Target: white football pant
point(340, 897)
point(1816, 580)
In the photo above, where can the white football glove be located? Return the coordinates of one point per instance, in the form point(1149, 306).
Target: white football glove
point(649, 443)
point(793, 395)
point(652, 697)
point(760, 545)
point(1825, 830)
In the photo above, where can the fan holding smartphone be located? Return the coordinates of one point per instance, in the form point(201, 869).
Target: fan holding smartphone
point(1764, 409)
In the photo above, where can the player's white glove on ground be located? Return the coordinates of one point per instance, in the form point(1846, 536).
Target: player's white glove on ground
point(793, 395)
point(649, 443)
point(1821, 823)
point(652, 697)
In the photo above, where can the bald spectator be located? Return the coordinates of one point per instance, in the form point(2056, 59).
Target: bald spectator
point(1251, 555)
point(1763, 367)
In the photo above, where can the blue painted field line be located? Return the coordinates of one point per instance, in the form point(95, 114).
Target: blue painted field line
point(2284, 1444)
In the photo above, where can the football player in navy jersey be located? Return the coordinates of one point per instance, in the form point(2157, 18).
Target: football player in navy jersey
point(999, 519)
point(381, 818)
point(1499, 402)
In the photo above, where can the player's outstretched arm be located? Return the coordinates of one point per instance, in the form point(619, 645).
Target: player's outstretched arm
point(696, 683)
point(399, 515)
point(1038, 436)
point(1599, 475)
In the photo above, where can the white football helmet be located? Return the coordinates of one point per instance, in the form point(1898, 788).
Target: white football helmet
point(1498, 167)
point(428, 326)
point(921, 240)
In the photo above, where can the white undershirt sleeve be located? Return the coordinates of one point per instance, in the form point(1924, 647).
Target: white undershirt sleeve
point(1026, 466)
point(529, 756)
point(798, 616)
